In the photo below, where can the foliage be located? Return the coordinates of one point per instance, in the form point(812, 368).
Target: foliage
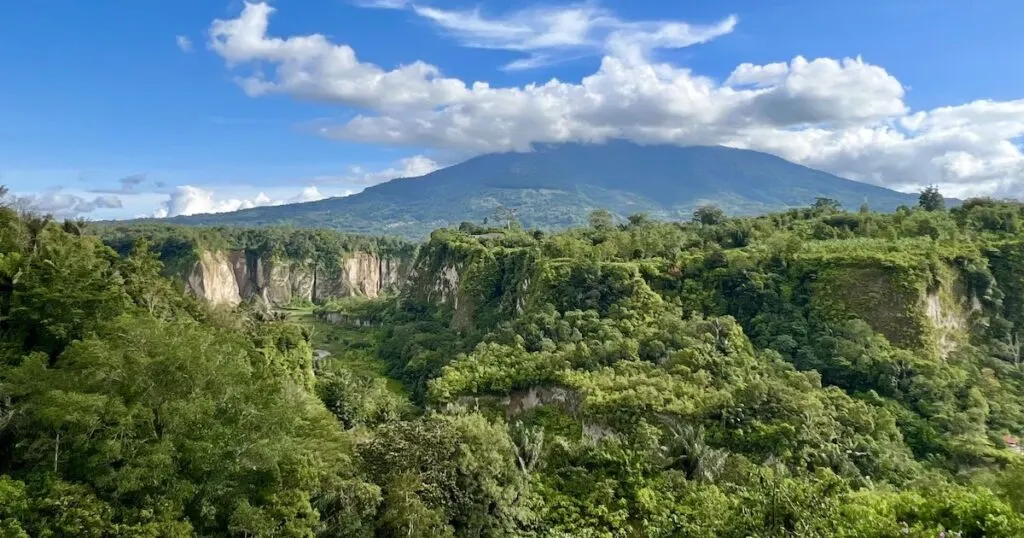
point(708, 215)
point(813, 372)
point(931, 199)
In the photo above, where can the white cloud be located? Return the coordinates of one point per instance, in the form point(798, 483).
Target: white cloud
point(551, 34)
point(184, 43)
point(635, 40)
point(846, 116)
point(311, 67)
point(191, 200)
point(644, 102)
point(758, 75)
point(382, 4)
point(415, 166)
point(194, 200)
point(63, 204)
point(309, 194)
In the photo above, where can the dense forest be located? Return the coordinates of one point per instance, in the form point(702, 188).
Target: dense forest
point(816, 372)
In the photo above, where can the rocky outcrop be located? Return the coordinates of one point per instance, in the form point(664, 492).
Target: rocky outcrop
point(524, 400)
point(914, 304)
point(213, 278)
point(228, 278)
point(361, 274)
point(438, 285)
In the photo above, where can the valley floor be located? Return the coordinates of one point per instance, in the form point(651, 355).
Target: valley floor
point(341, 347)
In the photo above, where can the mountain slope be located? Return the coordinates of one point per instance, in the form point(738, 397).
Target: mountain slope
point(556, 186)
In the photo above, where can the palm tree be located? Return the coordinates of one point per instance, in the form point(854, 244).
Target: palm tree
point(75, 226)
point(34, 225)
point(686, 450)
point(528, 443)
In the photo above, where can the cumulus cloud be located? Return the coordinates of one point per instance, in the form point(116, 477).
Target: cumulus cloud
point(66, 205)
point(845, 116)
point(193, 200)
point(314, 68)
point(184, 43)
point(309, 194)
point(415, 166)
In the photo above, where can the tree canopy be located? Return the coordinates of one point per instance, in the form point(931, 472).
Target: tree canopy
point(814, 372)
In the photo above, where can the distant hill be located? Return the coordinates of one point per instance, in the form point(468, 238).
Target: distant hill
point(557, 186)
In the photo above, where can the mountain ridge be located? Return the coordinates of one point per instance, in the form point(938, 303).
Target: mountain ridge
point(556, 185)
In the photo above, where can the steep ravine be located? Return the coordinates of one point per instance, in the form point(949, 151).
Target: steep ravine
point(230, 277)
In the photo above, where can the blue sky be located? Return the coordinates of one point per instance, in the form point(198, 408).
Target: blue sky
point(126, 108)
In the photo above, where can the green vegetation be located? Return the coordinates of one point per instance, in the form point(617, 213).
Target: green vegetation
point(129, 410)
point(812, 373)
point(807, 373)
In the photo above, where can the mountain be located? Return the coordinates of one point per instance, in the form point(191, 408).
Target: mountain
point(557, 186)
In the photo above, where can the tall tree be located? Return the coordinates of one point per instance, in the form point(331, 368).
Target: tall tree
point(602, 219)
point(931, 199)
point(708, 215)
point(826, 205)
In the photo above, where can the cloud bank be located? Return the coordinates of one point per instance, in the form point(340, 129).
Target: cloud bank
point(193, 200)
point(844, 115)
point(63, 205)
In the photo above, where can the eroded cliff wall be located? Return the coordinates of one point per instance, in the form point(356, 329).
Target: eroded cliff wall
point(213, 278)
point(230, 277)
point(917, 300)
point(480, 281)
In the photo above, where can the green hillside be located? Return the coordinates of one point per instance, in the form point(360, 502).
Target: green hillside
point(555, 187)
point(812, 373)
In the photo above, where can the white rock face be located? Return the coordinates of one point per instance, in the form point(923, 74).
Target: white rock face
point(243, 273)
point(232, 277)
point(947, 321)
point(277, 286)
point(303, 280)
point(447, 286)
point(390, 273)
point(361, 275)
point(213, 278)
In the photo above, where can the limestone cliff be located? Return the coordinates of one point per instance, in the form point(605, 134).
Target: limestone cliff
point(213, 278)
point(230, 277)
point(361, 274)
